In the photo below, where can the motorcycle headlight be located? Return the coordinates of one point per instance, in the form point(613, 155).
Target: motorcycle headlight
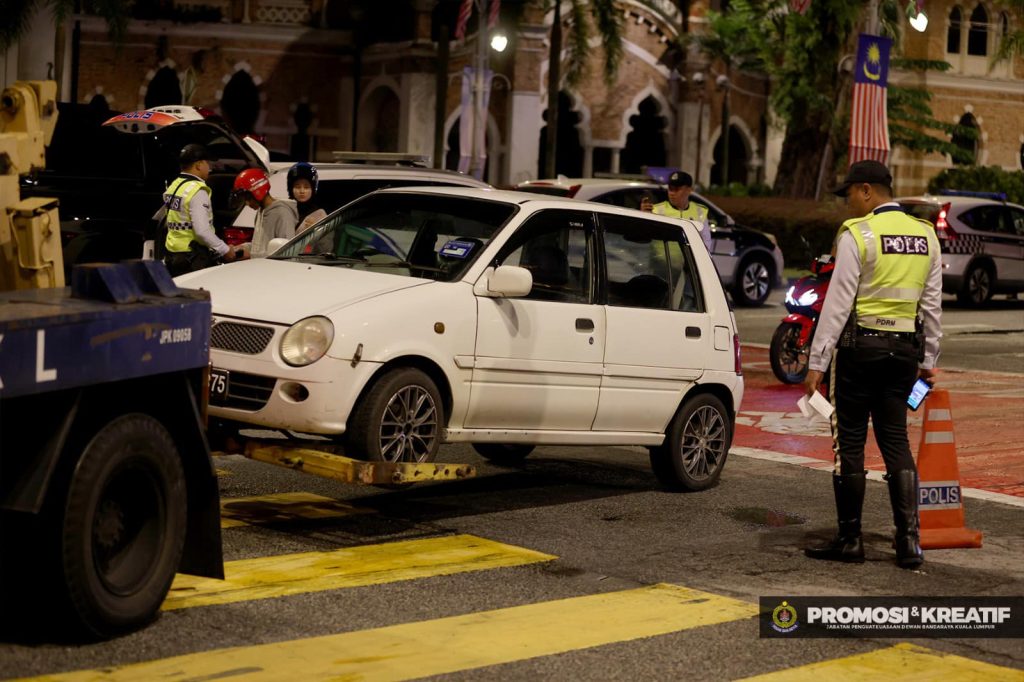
point(789, 296)
point(808, 298)
point(307, 341)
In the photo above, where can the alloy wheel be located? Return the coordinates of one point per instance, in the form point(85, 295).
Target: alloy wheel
point(755, 281)
point(703, 442)
point(408, 428)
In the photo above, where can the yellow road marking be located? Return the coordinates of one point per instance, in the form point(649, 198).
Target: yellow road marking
point(900, 662)
point(447, 645)
point(278, 576)
point(244, 511)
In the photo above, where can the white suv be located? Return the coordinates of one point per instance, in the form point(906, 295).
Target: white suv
point(413, 317)
point(982, 242)
point(749, 261)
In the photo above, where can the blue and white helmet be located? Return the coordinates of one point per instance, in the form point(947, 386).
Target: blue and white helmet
point(302, 171)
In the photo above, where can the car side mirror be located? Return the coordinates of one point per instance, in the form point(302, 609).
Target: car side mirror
point(506, 281)
point(276, 243)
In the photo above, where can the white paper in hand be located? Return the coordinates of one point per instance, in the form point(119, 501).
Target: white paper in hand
point(815, 405)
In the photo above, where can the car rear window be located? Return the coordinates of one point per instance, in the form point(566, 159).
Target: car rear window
point(929, 212)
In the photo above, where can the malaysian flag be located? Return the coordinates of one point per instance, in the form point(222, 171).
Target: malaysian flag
point(492, 17)
point(869, 124)
point(465, 10)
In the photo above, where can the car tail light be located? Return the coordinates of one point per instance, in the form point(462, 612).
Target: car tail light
point(573, 190)
point(738, 360)
point(943, 230)
point(234, 236)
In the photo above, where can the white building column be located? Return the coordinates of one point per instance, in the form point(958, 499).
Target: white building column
point(416, 131)
point(616, 152)
point(524, 124)
point(773, 148)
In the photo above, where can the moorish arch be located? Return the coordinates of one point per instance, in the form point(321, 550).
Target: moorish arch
point(379, 118)
point(162, 86)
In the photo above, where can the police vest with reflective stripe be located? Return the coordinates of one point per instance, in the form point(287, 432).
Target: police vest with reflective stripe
point(695, 212)
point(178, 200)
point(896, 252)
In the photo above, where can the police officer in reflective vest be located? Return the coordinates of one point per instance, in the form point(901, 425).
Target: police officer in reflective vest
point(680, 186)
point(191, 243)
point(883, 311)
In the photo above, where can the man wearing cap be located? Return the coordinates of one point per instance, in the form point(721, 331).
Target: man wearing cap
point(886, 286)
point(680, 186)
point(191, 243)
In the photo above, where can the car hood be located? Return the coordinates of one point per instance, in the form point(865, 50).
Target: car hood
point(285, 292)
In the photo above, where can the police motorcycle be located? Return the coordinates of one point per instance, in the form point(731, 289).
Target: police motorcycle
point(790, 349)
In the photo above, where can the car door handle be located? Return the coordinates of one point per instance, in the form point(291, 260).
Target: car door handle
point(693, 332)
point(584, 325)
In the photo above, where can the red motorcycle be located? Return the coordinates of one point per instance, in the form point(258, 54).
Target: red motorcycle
point(791, 342)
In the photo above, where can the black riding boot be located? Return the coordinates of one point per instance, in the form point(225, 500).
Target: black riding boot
point(847, 545)
point(903, 495)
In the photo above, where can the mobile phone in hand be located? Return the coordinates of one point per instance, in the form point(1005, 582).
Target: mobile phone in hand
point(918, 393)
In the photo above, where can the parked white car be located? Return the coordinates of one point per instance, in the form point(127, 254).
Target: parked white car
point(749, 261)
point(413, 317)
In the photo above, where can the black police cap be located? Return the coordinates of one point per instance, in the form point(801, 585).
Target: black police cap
point(871, 172)
point(194, 153)
point(680, 179)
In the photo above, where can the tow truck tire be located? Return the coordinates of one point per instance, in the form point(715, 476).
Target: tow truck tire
point(123, 526)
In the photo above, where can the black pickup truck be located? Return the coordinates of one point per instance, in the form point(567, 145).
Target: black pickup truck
point(109, 178)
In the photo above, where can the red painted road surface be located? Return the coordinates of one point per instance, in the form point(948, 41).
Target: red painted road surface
point(988, 422)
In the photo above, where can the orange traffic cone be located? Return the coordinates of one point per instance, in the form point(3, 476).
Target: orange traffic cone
point(940, 502)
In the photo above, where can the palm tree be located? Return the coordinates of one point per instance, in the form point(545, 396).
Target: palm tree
point(18, 14)
point(609, 27)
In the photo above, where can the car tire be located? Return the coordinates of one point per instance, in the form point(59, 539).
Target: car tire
point(122, 530)
point(788, 364)
point(398, 420)
point(753, 282)
point(696, 445)
point(504, 454)
point(977, 286)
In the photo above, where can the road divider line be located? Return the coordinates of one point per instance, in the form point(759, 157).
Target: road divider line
point(900, 662)
point(811, 462)
point(454, 644)
point(289, 574)
point(283, 507)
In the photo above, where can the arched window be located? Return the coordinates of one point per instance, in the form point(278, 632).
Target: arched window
point(1004, 26)
point(569, 150)
point(163, 89)
point(379, 121)
point(968, 143)
point(977, 36)
point(645, 143)
point(953, 33)
point(240, 102)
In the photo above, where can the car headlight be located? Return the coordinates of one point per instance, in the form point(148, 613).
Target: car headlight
point(307, 341)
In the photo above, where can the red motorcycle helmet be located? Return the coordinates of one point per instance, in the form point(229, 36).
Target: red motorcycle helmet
point(252, 181)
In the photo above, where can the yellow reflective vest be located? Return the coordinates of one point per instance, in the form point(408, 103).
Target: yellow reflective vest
point(178, 200)
point(695, 212)
point(896, 252)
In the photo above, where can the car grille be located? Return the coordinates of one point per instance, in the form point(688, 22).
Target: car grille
point(248, 391)
point(240, 338)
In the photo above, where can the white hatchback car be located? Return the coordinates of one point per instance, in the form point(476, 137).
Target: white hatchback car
point(413, 317)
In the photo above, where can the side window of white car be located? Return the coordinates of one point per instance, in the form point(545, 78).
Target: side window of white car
point(556, 246)
point(648, 266)
point(1017, 217)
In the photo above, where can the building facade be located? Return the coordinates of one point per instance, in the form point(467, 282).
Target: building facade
point(308, 84)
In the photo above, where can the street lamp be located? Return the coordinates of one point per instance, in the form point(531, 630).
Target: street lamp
point(499, 41)
point(920, 22)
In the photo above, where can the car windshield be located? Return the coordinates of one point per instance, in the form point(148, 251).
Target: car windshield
point(416, 235)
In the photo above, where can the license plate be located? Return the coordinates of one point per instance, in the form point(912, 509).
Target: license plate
point(220, 380)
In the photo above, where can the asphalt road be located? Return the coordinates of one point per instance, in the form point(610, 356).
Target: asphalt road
point(600, 514)
point(990, 338)
point(601, 527)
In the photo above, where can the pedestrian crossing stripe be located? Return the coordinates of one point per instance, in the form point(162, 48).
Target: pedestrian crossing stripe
point(282, 507)
point(290, 574)
point(900, 662)
point(453, 644)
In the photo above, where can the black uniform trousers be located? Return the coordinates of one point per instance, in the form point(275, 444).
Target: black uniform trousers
point(873, 379)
